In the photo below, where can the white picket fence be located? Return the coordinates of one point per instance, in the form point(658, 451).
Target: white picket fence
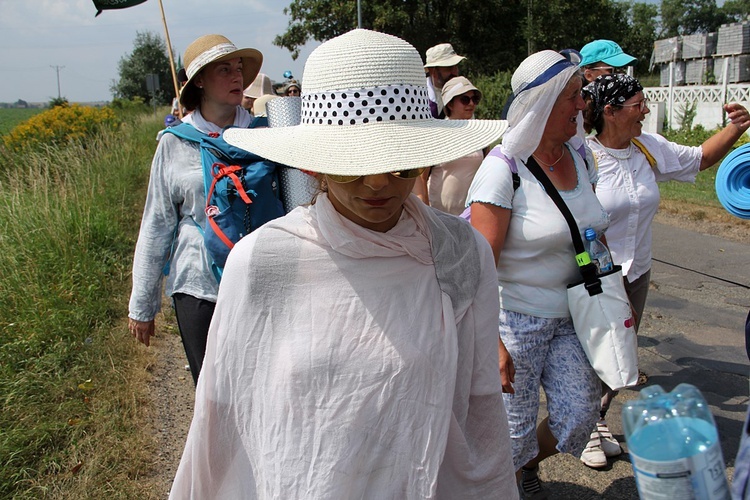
point(672, 101)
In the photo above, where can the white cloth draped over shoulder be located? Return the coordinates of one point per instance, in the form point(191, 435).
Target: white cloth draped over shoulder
point(242, 119)
point(528, 114)
point(338, 366)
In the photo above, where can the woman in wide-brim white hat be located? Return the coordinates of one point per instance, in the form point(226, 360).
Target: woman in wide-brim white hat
point(535, 260)
point(353, 352)
point(216, 71)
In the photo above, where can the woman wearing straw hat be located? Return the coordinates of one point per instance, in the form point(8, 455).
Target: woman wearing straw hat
point(353, 351)
point(170, 231)
point(535, 260)
point(445, 186)
point(631, 163)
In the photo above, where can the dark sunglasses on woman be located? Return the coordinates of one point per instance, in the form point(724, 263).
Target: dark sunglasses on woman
point(465, 99)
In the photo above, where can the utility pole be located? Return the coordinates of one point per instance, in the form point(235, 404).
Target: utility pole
point(57, 70)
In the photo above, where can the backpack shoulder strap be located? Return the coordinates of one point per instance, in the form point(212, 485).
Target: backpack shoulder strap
point(497, 152)
point(466, 214)
point(186, 131)
point(649, 157)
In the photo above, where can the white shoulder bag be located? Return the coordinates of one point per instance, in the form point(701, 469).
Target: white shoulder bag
point(599, 307)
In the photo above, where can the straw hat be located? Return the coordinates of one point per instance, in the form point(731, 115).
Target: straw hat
point(442, 55)
point(261, 86)
point(457, 85)
point(365, 111)
point(214, 48)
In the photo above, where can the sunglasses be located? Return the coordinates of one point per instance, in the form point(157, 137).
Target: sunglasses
point(643, 103)
point(465, 99)
point(401, 174)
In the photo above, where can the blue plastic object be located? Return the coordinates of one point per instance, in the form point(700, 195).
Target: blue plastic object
point(733, 182)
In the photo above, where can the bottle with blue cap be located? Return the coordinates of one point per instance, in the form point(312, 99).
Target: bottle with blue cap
point(674, 445)
point(598, 251)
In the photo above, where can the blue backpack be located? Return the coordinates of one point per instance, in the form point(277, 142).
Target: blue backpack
point(241, 188)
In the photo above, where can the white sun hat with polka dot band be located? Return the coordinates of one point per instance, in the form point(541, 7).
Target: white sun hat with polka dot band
point(365, 111)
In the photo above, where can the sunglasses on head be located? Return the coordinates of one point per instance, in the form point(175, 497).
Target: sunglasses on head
point(401, 174)
point(465, 99)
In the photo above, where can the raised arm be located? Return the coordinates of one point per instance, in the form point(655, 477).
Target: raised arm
point(719, 144)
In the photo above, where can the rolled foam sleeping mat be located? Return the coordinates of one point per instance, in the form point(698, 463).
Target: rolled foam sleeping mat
point(733, 182)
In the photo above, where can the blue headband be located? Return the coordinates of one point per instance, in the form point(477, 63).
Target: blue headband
point(548, 75)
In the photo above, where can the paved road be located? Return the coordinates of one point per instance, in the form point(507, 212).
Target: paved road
point(692, 331)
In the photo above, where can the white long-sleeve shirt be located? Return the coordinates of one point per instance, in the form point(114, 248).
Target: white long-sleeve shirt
point(628, 191)
point(175, 207)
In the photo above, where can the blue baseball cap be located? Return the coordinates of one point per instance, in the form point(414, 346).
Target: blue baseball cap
point(605, 51)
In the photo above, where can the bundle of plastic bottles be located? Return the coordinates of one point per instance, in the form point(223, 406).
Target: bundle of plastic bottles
point(674, 445)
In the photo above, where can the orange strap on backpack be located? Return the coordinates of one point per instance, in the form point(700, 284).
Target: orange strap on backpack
point(218, 171)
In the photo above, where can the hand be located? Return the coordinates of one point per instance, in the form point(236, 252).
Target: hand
point(507, 370)
point(141, 330)
point(738, 115)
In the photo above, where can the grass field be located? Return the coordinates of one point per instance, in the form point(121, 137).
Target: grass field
point(72, 381)
point(10, 117)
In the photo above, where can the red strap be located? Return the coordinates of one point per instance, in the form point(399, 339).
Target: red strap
point(220, 233)
point(218, 171)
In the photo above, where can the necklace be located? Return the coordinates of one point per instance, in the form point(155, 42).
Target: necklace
point(551, 166)
point(617, 154)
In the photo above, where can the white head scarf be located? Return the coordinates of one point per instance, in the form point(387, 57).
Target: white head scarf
point(536, 84)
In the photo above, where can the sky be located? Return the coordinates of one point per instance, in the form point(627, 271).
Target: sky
point(38, 35)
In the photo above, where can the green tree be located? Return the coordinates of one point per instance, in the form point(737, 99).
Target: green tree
point(638, 39)
point(149, 56)
point(575, 23)
point(489, 33)
point(685, 17)
point(495, 35)
point(736, 10)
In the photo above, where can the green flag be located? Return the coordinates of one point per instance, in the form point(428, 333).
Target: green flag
point(114, 4)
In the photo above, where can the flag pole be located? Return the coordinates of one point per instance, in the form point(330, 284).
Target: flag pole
point(171, 59)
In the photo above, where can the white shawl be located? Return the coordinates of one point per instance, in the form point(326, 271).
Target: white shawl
point(336, 367)
point(242, 119)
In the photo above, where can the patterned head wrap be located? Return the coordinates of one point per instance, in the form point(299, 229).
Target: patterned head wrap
point(610, 89)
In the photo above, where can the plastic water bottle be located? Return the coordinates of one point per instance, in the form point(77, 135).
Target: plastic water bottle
point(674, 445)
point(598, 252)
